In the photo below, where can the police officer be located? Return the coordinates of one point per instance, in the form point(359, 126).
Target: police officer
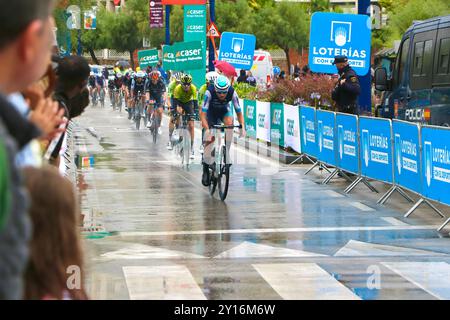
point(347, 88)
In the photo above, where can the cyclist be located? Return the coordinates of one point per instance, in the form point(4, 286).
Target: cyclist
point(210, 78)
point(111, 86)
point(100, 84)
point(156, 91)
point(175, 80)
point(126, 87)
point(138, 85)
point(91, 84)
point(215, 111)
point(185, 97)
point(118, 82)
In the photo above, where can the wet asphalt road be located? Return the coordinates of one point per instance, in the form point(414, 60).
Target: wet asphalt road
point(278, 235)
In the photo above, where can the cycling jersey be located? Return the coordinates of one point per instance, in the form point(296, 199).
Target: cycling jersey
point(201, 92)
point(111, 84)
point(157, 88)
point(171, 88)
point(185, 96)
point(216, 109)
point(91, 81)
point(118, 82)
point(99, 80)
point(138, 86)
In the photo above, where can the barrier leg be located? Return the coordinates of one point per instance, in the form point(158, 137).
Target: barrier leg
point(418, 203)
point(328, 179)
point(353, 185)
point(316, 164)
point(371, 187)
point(345, 176)
point(404, 194)
point(445, 223)
point(322, 166)
point(387, 195)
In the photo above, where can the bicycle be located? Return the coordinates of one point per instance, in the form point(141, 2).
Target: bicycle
point(94, 97)
point(112, 97)
point(182, 147)
point(152, 120)
point(102, 97)
point(219, 171)
point(139, 110)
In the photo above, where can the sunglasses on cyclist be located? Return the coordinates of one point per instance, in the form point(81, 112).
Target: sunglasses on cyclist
point(222, 91)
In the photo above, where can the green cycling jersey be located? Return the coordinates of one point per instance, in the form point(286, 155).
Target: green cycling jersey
point(171, 88)
point(185, 96)
point(201, 92)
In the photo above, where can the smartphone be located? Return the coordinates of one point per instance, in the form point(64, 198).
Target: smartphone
point(51, 147)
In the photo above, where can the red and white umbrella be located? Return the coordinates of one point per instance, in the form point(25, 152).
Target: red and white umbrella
point(225, 68)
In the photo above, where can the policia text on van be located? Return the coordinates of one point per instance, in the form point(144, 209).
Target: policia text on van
point(419, 89)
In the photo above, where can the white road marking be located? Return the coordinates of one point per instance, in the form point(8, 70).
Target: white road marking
point(433, 277)
point(361, 206)
point(255, 250)
point(303, 281)
point(394, 221)
point(141, 251)
point(161, 283)
point(275, 230)
point(363, 249)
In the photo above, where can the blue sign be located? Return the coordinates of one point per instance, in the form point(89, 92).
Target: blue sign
point(436, 163)
point(347, 142)
point(309, 131)
point(376, 148)
point(407, 155)
point(326, 134)
point(238, 49)
point(334, 34)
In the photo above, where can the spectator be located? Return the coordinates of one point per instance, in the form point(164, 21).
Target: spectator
point(305, 70)
point(242, 76)
point(162, 72)
point(25, 44)
point(55, 267)
point(297, 70)
point(282, 75)
point(251, 80)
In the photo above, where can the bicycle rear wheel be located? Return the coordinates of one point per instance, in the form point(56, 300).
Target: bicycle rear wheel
point(213, 181)
point(154, 128)
point(224, 174)
point(186, 147)
point(138, 116)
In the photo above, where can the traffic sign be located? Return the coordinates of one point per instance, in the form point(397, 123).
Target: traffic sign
point(334, 34)
point(237, 49)
point(213, 32)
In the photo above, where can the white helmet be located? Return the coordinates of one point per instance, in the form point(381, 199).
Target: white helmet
point(211, 77)
point(119, 75)
point(140, 74)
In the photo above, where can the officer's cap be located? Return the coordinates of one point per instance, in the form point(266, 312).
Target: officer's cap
point(339, 59)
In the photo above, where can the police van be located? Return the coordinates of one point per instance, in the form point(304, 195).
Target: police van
point(419, 87)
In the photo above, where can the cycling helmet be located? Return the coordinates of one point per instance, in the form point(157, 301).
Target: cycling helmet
point(91, 73)
point(211, 77)
point(222, 84)
point(140, 74)
point(186, 79)
point(119, 75)
point(155, 75)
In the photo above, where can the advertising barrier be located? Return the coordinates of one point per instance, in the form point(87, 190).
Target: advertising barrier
point(309, 131)
point(292, 127)
point(263, 121)
point(250, 117)
point(277, 124)
point(436, 163)
point(376, 148)
point(407, 155)
point(326, 137)
point(347, 142)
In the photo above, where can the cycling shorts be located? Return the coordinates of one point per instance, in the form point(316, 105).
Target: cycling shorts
point(187, 107)
point(159, 103)
point(215, 116)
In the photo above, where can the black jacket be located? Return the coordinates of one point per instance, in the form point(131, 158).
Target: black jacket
point(346, 95)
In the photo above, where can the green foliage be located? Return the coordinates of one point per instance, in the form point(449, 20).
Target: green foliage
point(234, 16)
point(245, 91)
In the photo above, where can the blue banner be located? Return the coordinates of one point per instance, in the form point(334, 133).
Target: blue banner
point(347, 142)
point(334, 34)
point(325, 139)
point(407, 155)
point(238, 49)
point(309, 131)
point(376, 148)
point(436, 163)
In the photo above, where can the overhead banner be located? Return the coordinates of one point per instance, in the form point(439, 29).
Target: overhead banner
point(148, 58)
point(237, 49)
point(376, 148)
point(347, 140)
point(436, 163)
point(195, 30)
point(309, 130)
point(292, 127)
point(183, 56)
point(156, 14)
point(263, 121)
point(334, 34)
point(407, 155)
point(250, 117)
point(277, 123)
point(325, 137)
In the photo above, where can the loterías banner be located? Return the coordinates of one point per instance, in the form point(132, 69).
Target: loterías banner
point(156, 14)
point(183, 2)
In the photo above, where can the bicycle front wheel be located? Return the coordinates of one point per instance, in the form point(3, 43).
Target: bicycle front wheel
point(155, 129)
point(138, 116)
point(224, 175)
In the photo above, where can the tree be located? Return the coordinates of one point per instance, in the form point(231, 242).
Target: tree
point(234, 16)
point(286, 25)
